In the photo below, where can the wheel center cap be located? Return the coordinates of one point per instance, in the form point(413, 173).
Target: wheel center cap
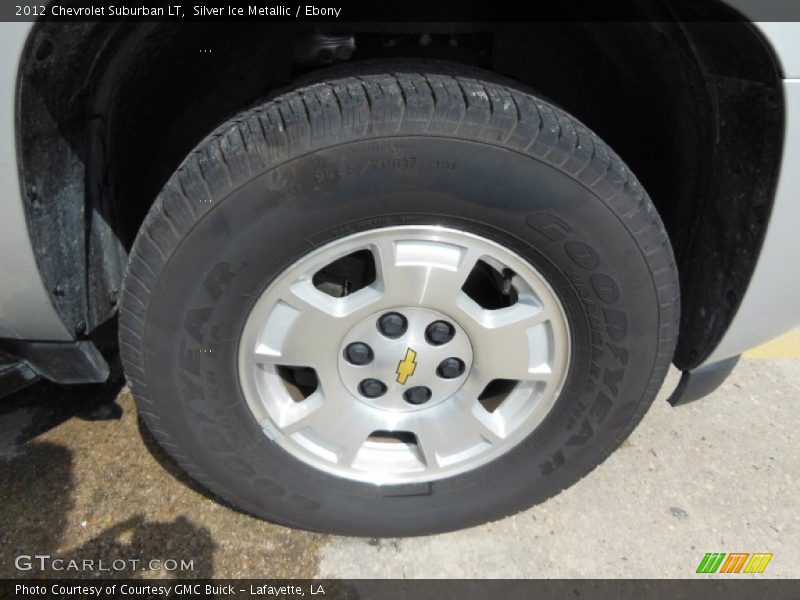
point(405, 359)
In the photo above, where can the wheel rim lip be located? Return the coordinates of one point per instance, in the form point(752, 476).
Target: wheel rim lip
point(324, 255)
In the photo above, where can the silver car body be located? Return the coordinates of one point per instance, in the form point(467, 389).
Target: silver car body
point(25, 307)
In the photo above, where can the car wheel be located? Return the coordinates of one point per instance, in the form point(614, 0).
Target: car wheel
point(397, 303)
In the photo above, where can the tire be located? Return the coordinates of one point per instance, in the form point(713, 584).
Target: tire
point(351, 155)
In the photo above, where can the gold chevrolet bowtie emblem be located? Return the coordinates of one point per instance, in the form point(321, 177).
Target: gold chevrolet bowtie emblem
point(406, 367)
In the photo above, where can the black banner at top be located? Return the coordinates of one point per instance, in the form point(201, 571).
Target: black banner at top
point(405, 10)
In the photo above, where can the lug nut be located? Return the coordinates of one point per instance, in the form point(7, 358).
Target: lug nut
point(417, 395)
point(439, 332)
point(372, 388)
point(450, 368)
point(358, 353)
point(392, 325)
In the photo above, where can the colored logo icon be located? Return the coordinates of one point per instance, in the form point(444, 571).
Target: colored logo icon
point(734, 562)
point(406, 367)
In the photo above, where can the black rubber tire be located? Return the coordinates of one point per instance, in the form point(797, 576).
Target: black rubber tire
point(351, 153)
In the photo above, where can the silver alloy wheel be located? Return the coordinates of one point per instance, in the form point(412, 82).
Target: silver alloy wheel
point(314, 392)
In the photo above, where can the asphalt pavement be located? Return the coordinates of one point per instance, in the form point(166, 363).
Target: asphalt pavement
point(81, 479)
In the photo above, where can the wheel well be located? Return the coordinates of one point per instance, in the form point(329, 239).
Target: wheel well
point(108, 111)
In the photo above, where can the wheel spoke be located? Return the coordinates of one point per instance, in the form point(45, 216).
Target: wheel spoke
point(338, 423)
point(423, 273)
point(509, 343)
point(444, 441)
point(306, 326)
